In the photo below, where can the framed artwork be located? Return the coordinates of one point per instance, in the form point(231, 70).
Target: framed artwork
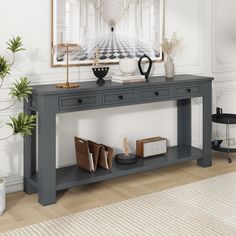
point(117, 28)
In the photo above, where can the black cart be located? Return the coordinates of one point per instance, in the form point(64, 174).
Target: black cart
point(227, 119)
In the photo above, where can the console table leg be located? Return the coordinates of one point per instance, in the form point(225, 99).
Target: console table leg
point(184, 122)
point(207, 128)
point(46, 151)
point(29, 156)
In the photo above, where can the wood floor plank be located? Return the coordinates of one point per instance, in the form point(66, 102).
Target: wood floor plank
point(23, 209)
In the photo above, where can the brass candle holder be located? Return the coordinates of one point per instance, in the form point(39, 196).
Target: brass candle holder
point(69, 47)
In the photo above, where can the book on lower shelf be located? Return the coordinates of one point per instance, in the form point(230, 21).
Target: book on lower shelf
point(125, 79)
point(91, 163)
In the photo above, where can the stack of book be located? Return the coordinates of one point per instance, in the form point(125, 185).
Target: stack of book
point(125, 79)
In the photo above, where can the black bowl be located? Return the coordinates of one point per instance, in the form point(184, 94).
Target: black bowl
point(100, 73)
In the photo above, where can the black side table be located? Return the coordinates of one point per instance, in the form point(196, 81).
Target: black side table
point(227, 119)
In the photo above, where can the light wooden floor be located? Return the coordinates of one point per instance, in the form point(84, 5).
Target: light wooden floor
point(24, 209)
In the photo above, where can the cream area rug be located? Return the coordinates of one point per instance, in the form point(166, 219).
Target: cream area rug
point(206, 207)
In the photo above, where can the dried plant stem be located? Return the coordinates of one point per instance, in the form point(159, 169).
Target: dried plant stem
point(13, 60)
point(169, 45)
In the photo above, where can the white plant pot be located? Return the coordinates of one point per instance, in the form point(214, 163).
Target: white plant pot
point(2, 196)
point(128, 66)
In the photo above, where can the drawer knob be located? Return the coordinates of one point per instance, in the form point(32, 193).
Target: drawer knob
point(80, 101)
point(189, 90)
point(120, 97)
point(157, 93)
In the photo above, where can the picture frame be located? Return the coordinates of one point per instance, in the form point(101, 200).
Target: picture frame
point(118, 28)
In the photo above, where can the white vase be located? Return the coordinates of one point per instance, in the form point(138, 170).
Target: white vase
point(128, 66)
point(2, 195)
point(169, 68)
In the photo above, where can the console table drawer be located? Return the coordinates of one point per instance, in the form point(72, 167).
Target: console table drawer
point(155, 93)
point(122, 97)
point(185, 90)
point(77, 101)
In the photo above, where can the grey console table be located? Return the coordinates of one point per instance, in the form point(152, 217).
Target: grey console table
point(47, 101)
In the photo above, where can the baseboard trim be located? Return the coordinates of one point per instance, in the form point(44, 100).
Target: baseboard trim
point(14, 184)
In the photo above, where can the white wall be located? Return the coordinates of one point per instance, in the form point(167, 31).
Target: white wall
point(224, 60)
point(31, 20)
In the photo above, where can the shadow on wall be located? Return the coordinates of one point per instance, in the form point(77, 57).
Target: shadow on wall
point(13, 149)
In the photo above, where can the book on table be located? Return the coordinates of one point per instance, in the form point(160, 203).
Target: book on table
point(128, 78)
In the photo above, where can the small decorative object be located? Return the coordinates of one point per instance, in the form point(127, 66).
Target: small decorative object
point(126, 147)
point(219, 112)
point(96, 58)
point(98, 71)
point(69, 47)
point(151, 147)
point(147, 72)
point(126, 157)
point(128, 66)
point(168, 47)
point(2, 195)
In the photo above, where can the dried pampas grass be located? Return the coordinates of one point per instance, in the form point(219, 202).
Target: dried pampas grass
point(169, 45)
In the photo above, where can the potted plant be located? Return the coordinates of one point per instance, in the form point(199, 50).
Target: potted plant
point(169, 46)
point(19, 92)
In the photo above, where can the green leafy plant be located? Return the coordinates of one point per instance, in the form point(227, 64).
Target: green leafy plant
point(5, 68)
point(15, 44)
point(23, 124)
point(20, 91)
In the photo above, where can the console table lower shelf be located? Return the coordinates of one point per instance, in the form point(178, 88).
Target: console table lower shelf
point(73, 176)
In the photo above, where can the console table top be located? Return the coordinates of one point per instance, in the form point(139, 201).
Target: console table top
point(91, 85)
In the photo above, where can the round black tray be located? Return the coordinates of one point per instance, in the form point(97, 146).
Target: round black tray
point(124, 160)
point(224, 118)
